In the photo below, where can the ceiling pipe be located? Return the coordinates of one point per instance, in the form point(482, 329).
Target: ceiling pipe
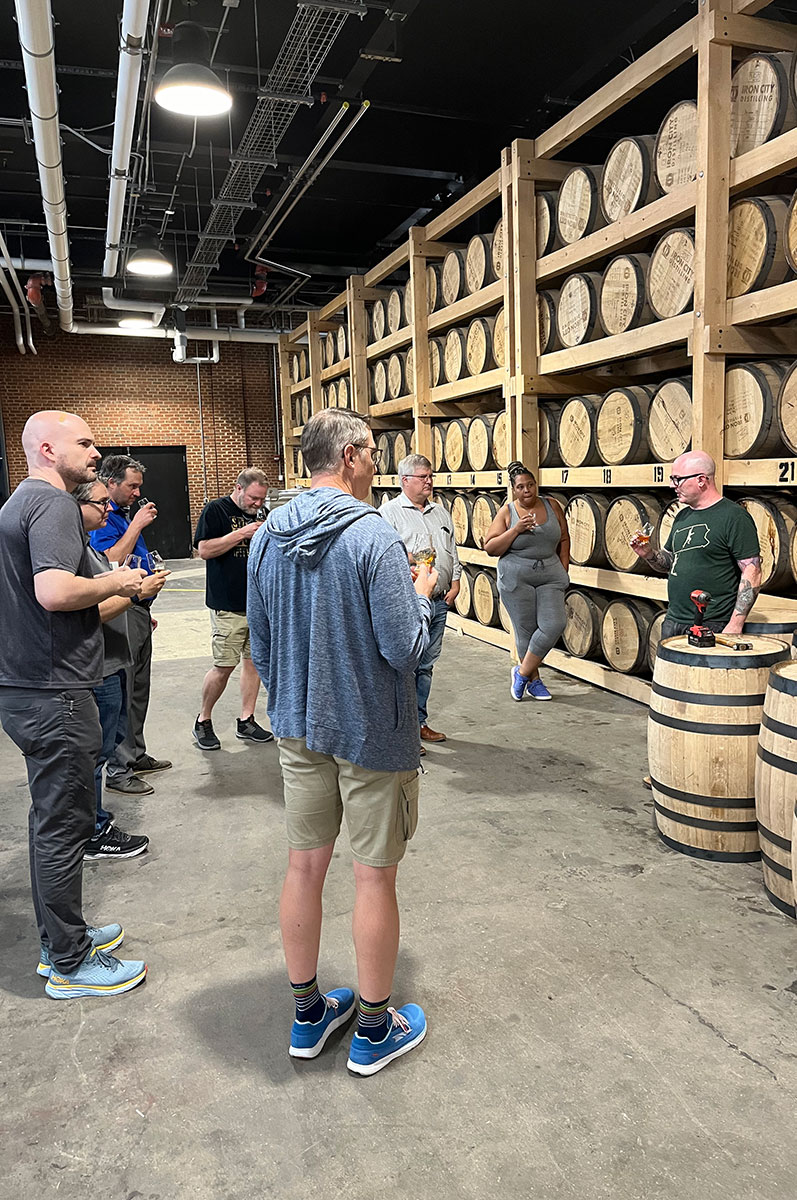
point(12, 300)
point(32, 264)
point(140, 306)
point(131, 49)
point(263, 337)
point(181, 344)
point(35, 24)
point(18, 288)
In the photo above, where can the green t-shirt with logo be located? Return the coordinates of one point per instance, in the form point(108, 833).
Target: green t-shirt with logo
point(707, 544)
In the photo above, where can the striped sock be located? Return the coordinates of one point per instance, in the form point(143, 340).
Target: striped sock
point(310, 1004)
point(372, 1019)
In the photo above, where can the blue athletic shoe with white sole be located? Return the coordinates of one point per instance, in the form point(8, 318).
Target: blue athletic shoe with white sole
point(106, 937)
point(518, 684)
point(407, 1030)
point(538, 691)
point(98, 975)
point(308, 1038)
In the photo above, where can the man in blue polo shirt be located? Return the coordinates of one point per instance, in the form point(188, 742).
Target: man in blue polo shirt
point(123, 535)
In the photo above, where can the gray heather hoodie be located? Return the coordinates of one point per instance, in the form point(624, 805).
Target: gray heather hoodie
point(337, 630)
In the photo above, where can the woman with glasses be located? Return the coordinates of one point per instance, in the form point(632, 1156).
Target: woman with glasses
point(530, 539)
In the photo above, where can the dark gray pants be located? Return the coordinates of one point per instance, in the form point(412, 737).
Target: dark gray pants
point(59, 734)
point(676, 628)
point(139, 629)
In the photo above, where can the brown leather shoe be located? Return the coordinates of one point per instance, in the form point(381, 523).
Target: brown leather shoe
point(429, 735)
point(646, 782)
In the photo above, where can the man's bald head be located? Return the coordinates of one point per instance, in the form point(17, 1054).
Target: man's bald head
point(59, 446)
point(695, 462)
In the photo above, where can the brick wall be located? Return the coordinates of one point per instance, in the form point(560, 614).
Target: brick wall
point(131, 393)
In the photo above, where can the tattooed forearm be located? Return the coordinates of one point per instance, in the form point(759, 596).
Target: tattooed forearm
point(661, 560)
point(749, 585)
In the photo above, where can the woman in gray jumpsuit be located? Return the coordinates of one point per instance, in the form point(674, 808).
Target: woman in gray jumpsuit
point(530, 539)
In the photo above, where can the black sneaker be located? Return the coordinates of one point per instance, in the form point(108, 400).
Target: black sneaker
point(131, 786)
point(147, 764)
point(111, 842)
point(204, 735)
point(249, 731)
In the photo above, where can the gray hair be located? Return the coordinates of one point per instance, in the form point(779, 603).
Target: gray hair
point(325, 435)
point(409, 465)
point(251, 475)
point(114, 467)
point(83, 490)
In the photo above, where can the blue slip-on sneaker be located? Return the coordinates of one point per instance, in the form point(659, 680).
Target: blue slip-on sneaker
point(98, 975)
point(518, 684)
point(308, 1038)
point(107, 937)
point(407, 1030)
point(538, 691)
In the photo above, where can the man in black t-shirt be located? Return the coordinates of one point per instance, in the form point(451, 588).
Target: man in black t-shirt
point(51, 656)
point(222, 538)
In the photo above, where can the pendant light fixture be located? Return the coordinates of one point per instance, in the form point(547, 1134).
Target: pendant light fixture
point(190, 87)
point(147, 258)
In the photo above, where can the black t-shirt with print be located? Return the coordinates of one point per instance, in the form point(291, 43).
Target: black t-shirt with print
point(225, 577)
point(707, 544)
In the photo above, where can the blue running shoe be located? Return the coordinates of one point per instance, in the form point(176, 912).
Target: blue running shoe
point(308, 1038)
point(538, 691)
point(407, 1030)
point(107, 937)
point(98, 975)
point(518, 685)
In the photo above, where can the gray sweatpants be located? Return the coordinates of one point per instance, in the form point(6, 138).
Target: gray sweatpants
point(538, 617)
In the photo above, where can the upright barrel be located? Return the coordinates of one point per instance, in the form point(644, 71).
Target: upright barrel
point(706, 706)
point(776, 785)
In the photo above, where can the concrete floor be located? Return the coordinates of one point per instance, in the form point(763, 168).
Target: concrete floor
point(607, 1018)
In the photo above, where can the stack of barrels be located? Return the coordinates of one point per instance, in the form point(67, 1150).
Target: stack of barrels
point(393, 446)
point(482, 344)
point(301, 409)
point(471, 443)
point(337, 393)
point(335, 345)
point(390, 313)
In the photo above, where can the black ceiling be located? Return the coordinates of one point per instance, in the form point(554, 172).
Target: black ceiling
point(472, 76)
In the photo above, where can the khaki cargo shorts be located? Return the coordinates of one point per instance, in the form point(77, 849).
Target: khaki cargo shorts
point(230, 640)
point(381, 807)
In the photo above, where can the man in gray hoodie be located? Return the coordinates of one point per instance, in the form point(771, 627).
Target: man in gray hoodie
point(337, 629)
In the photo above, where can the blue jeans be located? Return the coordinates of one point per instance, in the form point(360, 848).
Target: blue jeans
point(423, 673)
point(111, 697)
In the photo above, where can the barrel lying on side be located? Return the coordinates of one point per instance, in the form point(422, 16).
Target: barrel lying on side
point(761, 103)
point(586, 518)
point(624, 634)
point(776, 786)
point(670, 419)
point(751, 393)
point(675, 155)
point(775, 519)
point(584, 611)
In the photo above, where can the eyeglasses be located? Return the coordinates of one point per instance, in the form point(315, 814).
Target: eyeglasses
point(425, 478)
point(375, 454)
point(675, 480)
point(101, 504)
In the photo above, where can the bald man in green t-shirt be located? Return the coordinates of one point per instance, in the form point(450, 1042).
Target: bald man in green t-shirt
point(713, 546)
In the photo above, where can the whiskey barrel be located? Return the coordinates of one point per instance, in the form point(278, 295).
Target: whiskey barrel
point(756, 254)
point(675, 155)
point(380, 381)
point(401, 446)
point(436, 357)
point(483, 512)
point(775, 785)
point(327, 344)
point(485, 598)
point(751, 425)
point(480, 441)
point(342, 337)
point(775, 519)
point(455, 363)
point(578, 209)
point(408, 309)
point(665, 522)
point(624, 634)
point(385, 444)
point(438, 445)
point(434, 286)
point(478, 263)
point(333, 392)
point(453, 280)
point(578, 309)
point(654, 637)
point(409, 369)
point(461, 508)
point(584, 616)
point(395, 309)
point(547, 233)
point(628, 180)
point(464, 599)
point(621, 426)
point(304, 368)
point(397, 374)
point(343, 392)
point(379, 319)
point(671, 274)
point(790, 234)
point(299, 468)
point(670, 419)
point(500, 441)
point(455, 446)
point(623, 297)
point(500, 337)
point(505, 619)
point(479, 353)
point(307, 409)
point(576, 432)
point(586, 517)
point(547, 302)
point(625, 516)
point(786, 408)
point(549, 415)
point(706, 706)
point(324, 397)
point(497, 249)
point(295, 376)
point(761, 103)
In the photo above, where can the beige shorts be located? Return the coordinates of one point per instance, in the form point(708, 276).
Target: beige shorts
point(381, 807)
point(230, 641)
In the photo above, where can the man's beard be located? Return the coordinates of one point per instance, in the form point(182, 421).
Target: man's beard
point(73, 476)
